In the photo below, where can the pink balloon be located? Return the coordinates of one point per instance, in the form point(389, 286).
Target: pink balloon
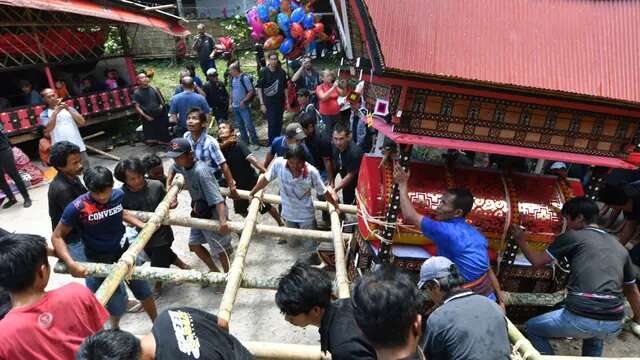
point(258, 28)
point(255, 35)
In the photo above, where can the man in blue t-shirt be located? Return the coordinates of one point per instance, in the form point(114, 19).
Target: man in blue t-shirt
point(98, 216)
point(293, 135)
point(185, 101)
point(454, 238)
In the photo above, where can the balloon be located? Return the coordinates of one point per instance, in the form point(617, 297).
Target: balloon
point(270, 28)
point(252, 14)
point(283, 22)
point(259, 2)
point(295, 53)
point(263, 13)
point(309, 37)
point(258, 28)
point(311, 47)
point(284, 6)
point(273, 11)
point(255, 36)
point(273, 42)
point(318, 27)
point(274, 3)
point(297, 15)
point(296, 30)
point(308, 21)
point(226, 42)
point(286, 46)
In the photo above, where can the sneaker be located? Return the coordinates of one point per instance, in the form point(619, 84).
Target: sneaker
point(10, 203)
point(27, 203)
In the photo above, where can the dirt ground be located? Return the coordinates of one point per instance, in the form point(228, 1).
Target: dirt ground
point(255, 316)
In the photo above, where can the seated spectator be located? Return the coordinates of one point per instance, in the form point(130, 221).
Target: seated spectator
point(89, 85)
point(61, 89)
point(29, 95)
point(594, 306)
point(41, 325)
point(113, 79)
point(293, 135)
point(178, 333)
point(385, 306)
point(465, 325)
point(154, 169)
point(304, 297)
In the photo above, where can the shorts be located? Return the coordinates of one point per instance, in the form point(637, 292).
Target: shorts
point(218, 243)
point(161, 256)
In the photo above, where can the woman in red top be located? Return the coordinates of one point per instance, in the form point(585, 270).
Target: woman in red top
point(328, 93)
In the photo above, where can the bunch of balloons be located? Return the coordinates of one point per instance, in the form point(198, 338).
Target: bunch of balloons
point(287, 25)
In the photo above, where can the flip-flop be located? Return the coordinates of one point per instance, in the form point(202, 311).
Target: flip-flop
point(134, 306)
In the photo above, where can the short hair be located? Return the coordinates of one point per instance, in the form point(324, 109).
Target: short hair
point(329, 72)
point(271, 53)
point(98, 178)
point(187, 81)
point(613, 195)
point(385, 305)
point(234, 66)
point(131, 164)
point(110, 345)
point(20, 257)
point(60, 152)
point(295, 151)
point(201, 114)
point(5, 302)
point(581, 206)
point(339, 128)
point(302, 288)
point(150, 161)
point(201, 26)
point(23, 83)
point(305, 119)
point(228, 123)
point(463, 200)
point(191, 67)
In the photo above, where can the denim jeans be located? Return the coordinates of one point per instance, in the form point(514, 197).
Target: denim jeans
point(244, 123)
point(563, 323)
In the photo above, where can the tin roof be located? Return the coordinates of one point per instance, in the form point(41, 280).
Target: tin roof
point(573, 46)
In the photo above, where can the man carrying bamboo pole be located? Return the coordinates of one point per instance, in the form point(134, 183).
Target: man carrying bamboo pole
point(297, 179)
point(178, 333)
point(206, 203)
point(304, 297)
point(98, 215)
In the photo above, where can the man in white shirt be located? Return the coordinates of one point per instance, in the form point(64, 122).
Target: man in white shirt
point(61, 122)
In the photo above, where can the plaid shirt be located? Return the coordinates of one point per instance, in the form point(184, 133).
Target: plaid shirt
point(207, 150)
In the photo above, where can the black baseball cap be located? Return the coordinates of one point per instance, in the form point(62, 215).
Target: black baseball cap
point(294, 131)
point(177, 147)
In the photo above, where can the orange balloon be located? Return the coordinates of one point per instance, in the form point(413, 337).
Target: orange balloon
point(271, 29)
point(318, 27)
point(285, 6)
point(297, 31)
point(273, 42)
point(309, 37)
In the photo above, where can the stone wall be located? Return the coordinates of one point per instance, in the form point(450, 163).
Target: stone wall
point(148, 42)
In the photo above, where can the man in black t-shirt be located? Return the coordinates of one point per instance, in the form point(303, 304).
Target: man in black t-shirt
point(181, 333)
point(601, 277)
point(346, 162)
point(304, 297)
point(272, 93)
point(203, 45)
point(318, 145)
point(217, 96)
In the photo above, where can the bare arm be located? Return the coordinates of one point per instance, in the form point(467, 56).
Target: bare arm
point(332, 199)
point(536, 258)
point(62, 252)
point(141, 112)
point(268, 159)
point(170, 176)
point(328, 165)
point(409, 213)
point(261, 184)
point(224, 227)
point(297, 74)
point(233, 191)
point(322, 96)
point(132, 220)
point(628, 231)
point(345, 181)
point(259, 93)
point(633, 296)
point(496, 289)
point(79, 119)
point(173, 118)
point(256, 163)
point(52, 121)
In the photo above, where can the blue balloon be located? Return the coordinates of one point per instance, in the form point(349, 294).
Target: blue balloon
point(308, 21)
point(263, 13)
point(297, 15)
point(283, 22)
point(293, 6)
point(286, 46)
point(311, 47)
point(274, 3)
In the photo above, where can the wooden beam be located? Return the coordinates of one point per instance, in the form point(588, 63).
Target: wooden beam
point(159, 7)
point(338, 249)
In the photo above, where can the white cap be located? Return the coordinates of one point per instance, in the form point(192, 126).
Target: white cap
point(558, 165)
point(435, 267)
point(211, 71)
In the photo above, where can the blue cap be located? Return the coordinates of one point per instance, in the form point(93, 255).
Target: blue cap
point(177, 147)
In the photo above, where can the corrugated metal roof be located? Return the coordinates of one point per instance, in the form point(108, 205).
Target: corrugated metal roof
point(574, 46)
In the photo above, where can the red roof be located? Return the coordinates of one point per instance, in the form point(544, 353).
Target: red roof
point(583, 47)
point(100, 10)
point(446, 143)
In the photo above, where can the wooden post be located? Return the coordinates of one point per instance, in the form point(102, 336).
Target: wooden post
point(237, 266)
point(525, 348)
point(269, 350)
point(275, 199)
point(128, 259)
point(341, 262)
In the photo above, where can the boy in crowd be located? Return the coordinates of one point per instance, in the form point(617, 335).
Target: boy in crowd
point(293, 135)
point(153, 168)
point(304, 297)
point(42, 325)
point(346, 162)
point(465, 325)
point(242, 163)
point(145, 195)
point(178, 334)
point(594, 306)
point(98, 216)
point(386, 307)
point(206, 203)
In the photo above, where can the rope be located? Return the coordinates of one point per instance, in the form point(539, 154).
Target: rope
point(362, 211)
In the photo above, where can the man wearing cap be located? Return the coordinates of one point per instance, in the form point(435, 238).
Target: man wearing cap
point(217, 96)
point(206, 203)
point(558, 169)
point(293, 135)
point(465, 325)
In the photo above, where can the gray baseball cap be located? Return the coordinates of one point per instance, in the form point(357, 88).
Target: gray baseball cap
point(435, 267)
point(294, 131)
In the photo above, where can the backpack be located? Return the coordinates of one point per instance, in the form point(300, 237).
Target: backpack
point(242, 77)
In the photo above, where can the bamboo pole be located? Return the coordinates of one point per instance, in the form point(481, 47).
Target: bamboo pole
point(128, 259)
point(172, 275)
point(269, 350)
point(237, 266)
point(100, 152)
point(275, 199)
point(338, 247)
point(525, 348)
point(237, 226)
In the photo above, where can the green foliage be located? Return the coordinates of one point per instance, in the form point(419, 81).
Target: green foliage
point(237, 28)
point(113, 42)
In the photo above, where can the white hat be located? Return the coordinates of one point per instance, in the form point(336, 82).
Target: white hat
point(435, 267)
point(558, 165)
point(212, 71)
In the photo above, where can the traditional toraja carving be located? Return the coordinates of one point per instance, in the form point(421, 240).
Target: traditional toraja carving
point(464, 117)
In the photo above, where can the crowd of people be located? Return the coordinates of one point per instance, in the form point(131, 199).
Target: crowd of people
point(385, 316)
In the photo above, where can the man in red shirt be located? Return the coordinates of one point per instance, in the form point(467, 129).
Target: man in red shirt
point(42, 325)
